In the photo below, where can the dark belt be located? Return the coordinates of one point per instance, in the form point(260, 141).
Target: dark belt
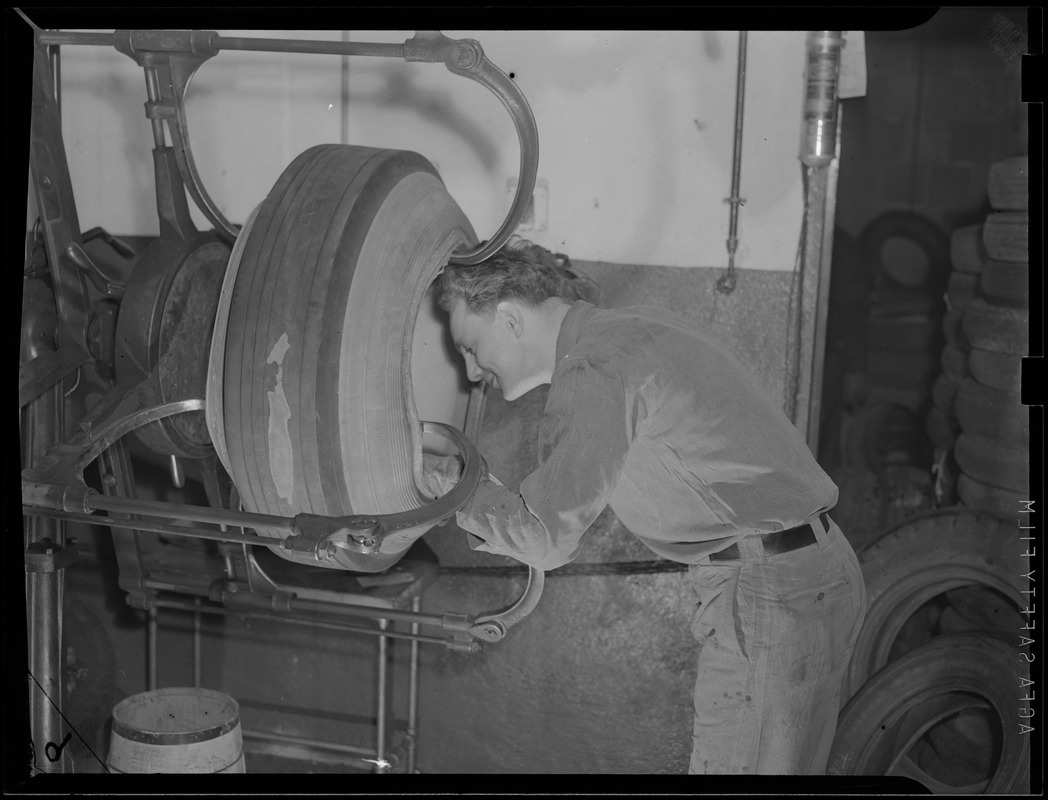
point(778, 542)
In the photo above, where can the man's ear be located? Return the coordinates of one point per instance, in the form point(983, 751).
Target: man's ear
point(512, 317)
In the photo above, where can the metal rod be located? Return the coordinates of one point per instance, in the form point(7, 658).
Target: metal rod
point(149, 526)
point(196, 644)
point(56, 71)
point(126, 505)
point(309, 46)
point(380, 726)
point(154, 96)
point(413, 689)
point(736, 151)
point(151, 635)
point(287, 738)
point(178, 475)
point(243, 43)
point(44, 598)
point(222, 610)
point(726, 284)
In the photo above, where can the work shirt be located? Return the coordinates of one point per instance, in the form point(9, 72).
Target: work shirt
point(659, 421)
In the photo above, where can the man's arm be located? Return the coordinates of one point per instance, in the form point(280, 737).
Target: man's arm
point(584, 437)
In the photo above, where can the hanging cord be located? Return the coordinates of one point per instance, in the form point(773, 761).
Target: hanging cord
point(71, 728)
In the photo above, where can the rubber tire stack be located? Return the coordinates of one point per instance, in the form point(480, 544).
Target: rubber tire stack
point(902, 340)
point(934, 582)
point(904, 264)
point(967, 256)
point(992, 448)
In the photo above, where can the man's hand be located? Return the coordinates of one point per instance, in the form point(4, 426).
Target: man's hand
point(440, 473)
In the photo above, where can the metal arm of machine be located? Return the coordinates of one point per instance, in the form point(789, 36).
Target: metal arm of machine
point(56, 488)
point(171, 58)
point(57, 484)
point(466, 57)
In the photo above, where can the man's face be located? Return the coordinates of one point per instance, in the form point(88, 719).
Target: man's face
point(492, 352)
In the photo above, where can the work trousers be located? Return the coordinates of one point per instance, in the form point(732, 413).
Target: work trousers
point(775, 635)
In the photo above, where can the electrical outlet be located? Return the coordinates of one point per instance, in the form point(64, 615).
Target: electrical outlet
point(536, 215)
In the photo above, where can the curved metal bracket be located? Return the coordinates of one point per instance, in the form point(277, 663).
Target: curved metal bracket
point(492, 627)
point(173, 57)
point(466, 57)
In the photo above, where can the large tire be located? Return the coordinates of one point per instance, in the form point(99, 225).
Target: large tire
point(961, 289)
point(901, 370)
point(954, 363)
point(944, 396)
point(995, 328)
point(1004, 465)
point(916, 561)
point(905, 700)
point(906, 250)
point(942, 430)
point(911, 333)
point(1006, 235)
point(952, 331)
point(967, 252)
point(993, 413)
point(976, 494)
point(318, 404)
point(1006, 283)
point(1008, 184)
point(999, 370)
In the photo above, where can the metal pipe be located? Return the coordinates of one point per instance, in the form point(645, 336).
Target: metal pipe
point(149, 526)
point(126, 505)
point(287, 738)
point(196, 644)
point(309, 46)
point(56, 72)
point(339, 626)
point(178, 475)
point(44, 597)
point(151, 636)
point(726, 284)
point(241, 43)
point(154, 96)
point(380, 726)
point(413, 690)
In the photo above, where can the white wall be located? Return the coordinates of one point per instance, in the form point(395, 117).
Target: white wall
point(635, 132)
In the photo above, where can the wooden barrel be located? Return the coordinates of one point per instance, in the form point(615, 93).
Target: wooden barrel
point(179, 730)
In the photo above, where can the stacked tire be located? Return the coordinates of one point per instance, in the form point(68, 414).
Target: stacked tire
point(992, 449)
point(967, 257)
point(932, 689)
point(907, 257)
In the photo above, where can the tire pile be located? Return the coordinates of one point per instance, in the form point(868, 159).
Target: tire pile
point(978, 424)
point(884, 320)
point(933, 688)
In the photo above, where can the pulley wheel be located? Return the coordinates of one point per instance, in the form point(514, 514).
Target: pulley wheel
point(317, 399)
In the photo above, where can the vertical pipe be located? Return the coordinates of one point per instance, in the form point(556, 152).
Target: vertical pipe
point(153, 93)
point(344, 95)
point(726, 284)
point(151, 634)
point(822, 301)
point(56, 70)
point(196, 646)
point(818, 154)
point(380, 722)
point(44, 597)
point(413, 689)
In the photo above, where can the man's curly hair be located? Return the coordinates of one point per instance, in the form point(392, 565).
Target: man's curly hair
point(521, 270)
